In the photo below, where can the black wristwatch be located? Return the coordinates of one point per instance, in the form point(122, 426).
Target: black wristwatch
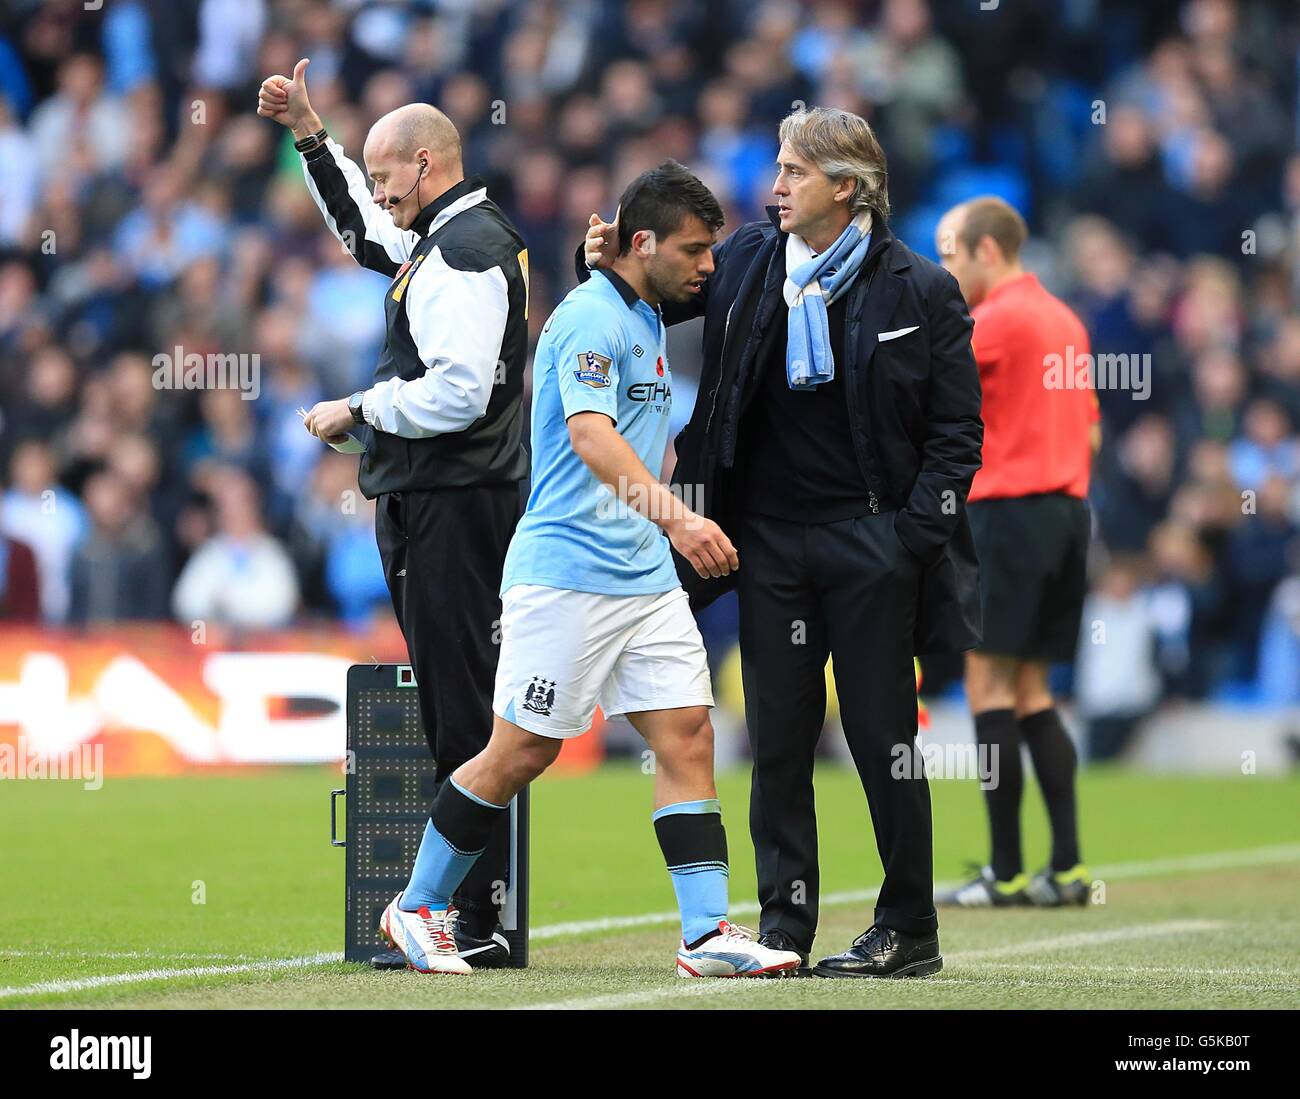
point(354, 406)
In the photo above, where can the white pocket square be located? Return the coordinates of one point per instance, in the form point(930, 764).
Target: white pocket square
point(883, 336)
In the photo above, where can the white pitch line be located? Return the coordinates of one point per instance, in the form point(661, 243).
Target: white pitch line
point(1283, 977)
point(750, 986)
point(152, 955)
point(1090, 938)
point(1213, 860)
point(1218, 860)
point(1070, 983)
point(82, 984)
point(1187, 863)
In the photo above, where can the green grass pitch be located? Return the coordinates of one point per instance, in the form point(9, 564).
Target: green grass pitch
point(98, 892)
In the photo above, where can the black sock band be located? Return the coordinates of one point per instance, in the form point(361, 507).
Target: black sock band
point(464, 821)
point(1055, 762)
point(691, 838)
point(998, 729)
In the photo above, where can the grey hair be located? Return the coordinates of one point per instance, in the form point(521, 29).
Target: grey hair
point(843, 146)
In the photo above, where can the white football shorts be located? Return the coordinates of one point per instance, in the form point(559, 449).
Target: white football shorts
point(563, 653)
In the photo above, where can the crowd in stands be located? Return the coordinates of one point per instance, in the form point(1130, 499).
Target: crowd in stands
point(145, 209)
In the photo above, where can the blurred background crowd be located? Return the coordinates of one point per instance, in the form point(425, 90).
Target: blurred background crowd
point(1152, 146)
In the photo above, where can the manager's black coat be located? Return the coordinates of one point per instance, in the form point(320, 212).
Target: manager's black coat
point(914, 409)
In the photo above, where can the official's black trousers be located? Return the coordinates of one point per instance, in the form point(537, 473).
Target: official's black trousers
point(443, 551)
point(849, 589)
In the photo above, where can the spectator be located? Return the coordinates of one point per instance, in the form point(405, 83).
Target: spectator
point(1267, 447)
point(1183, 600)
point(46, 516)
point(1260, 551)
point(80, 129)
point(1139, 484)
point(120, 572)
point(19, 178)
point(354, 572)
point(20, 600)
point(1118, 683)
point(241, 576)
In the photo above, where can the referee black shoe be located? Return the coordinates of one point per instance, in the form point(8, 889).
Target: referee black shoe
point(884, 952)
point(779, 940)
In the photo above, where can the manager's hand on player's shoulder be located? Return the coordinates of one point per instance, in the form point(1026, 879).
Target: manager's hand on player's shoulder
point(601, 245)
point(284, 100)
point(702, 542)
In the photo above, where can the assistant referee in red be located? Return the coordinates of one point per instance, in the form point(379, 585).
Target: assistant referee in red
point(1031, 525)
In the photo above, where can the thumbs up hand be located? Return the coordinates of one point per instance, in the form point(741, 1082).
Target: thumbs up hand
point(284, 99)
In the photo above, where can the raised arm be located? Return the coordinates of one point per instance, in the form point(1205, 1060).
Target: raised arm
point(337, 185)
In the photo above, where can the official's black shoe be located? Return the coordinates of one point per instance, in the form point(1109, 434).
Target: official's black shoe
point(985, 891)
point(479, 939)
point(1051, 889)
point(490, 952)
point(884, 952)
point(388, 959)
point(780, 940)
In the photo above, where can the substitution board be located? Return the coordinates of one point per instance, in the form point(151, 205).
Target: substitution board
point(389, 787)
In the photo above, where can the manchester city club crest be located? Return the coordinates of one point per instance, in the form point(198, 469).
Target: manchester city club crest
point(593, 369)
point(539, 696)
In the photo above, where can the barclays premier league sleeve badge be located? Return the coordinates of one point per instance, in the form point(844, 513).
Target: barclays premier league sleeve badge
point(593, 369)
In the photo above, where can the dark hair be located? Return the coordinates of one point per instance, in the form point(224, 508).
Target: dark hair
point(660, 200)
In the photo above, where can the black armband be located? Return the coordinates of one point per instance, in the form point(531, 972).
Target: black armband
point(311, 142)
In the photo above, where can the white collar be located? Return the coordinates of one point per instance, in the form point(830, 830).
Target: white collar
point(458, 207)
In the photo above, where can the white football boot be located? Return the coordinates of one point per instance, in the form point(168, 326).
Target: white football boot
point(734, 952)
point(428, 939)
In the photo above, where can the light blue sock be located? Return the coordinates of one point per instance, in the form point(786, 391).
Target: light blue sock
point(440, 863)
point(694, 844)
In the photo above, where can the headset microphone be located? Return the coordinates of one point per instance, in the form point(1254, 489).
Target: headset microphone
point(424, 164)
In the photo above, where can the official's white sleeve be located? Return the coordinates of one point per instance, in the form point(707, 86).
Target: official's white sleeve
point(458, 322)
point(339, 188)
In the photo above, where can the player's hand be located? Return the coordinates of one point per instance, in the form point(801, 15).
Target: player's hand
point(702, 542)
point(602, 242)
point(284, 99)
point(329, 421)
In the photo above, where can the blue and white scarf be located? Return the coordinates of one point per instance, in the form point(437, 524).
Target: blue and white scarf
point(813, 282)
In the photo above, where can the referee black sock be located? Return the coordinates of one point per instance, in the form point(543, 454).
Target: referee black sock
point(1055, 759)
point(998, 732)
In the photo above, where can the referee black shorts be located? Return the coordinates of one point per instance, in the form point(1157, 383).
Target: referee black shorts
point(1033, 558)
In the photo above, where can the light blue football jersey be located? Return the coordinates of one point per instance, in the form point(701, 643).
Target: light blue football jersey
point(602, 350)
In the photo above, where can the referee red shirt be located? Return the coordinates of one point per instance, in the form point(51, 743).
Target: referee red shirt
point(1036, 438)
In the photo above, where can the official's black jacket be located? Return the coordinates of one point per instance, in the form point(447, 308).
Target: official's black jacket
point(446, 406)
point(914, 409)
